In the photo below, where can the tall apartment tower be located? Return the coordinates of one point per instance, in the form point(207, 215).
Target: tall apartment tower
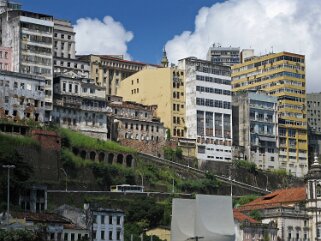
point(314, 123)
point(208, 109)
point(281, 75)
point(223, 55)
point(255, 129)
point(30, 36)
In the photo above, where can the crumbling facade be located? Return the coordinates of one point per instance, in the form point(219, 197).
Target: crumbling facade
point(30, 35)
point(136, 125)
point(255, 130)
point(22, 97)
point(80, 105)
point(5, 59)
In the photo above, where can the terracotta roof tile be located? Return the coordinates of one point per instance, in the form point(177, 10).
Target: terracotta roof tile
point(242, 217)
point(281, 197)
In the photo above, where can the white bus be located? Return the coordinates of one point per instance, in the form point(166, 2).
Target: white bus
point(126, 188)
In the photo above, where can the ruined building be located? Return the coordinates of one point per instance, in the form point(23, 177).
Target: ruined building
point(30, 36)
point(80, 105)
point(22, 97)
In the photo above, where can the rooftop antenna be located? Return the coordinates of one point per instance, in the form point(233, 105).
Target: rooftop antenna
point(272, 49)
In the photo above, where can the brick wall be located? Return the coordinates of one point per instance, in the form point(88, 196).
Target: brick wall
point(48, 139)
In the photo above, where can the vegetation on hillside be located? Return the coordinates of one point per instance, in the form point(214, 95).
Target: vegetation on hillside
point(76, 139)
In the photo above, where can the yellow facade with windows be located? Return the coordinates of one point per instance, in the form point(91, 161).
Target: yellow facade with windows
point(163, 87)
point(282, 75)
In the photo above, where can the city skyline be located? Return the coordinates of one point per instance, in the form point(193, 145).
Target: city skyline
point(189, 28)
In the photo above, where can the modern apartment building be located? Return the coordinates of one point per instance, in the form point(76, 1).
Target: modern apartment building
point(281, 75)
point(163, 87)
point(108, 71)
point(223, 55)
point(30, 36)
point(255, 129)
point(208, 108)
point(314, 123)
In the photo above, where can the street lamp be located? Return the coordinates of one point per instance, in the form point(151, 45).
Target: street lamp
point(8, 189)
point(66, 177)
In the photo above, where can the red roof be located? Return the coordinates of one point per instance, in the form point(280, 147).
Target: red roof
point(242, 217)
point(41, 217)
point(281, 197)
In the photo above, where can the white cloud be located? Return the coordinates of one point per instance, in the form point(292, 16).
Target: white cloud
point(287, 25)
point(101, 37)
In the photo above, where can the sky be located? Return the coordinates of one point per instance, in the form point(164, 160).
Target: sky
point(139, 29)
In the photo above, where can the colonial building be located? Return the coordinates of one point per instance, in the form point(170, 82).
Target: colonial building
point(22, 97)
point(255, 129)
point(136, 125)
point(80, 105)
point(208, 108)
point(108, 71)
point(296, 211)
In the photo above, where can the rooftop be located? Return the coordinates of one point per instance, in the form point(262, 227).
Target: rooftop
point(241, 217)
point(281, 197)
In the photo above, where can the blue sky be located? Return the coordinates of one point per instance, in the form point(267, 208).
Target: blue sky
point(153, 22)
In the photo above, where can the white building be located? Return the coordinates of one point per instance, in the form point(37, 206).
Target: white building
point(108, 224)
point(208, 108)
point(65, 59)
point(80, 105)
point(30, 35)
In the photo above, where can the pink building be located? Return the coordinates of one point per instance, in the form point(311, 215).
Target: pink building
point(6, 59)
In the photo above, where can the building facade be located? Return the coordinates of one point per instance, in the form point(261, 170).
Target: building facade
point(80, 105)
point(108, 224)
point(136, 125)
point(208, 108)
point(30, 36)
point(163, 87)
point(255, 129)
point(314, 123)
point(108, 71)
point(281, 75)
point(6, 59)
point(22, 97)
point(227, 56)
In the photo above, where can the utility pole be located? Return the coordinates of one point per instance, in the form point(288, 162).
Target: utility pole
point(8, 189)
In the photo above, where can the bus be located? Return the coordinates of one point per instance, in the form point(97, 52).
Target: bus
point(126, 188)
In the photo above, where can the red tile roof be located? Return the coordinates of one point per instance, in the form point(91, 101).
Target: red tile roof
point(242, 217)
point(41, 217)
point(281, 197)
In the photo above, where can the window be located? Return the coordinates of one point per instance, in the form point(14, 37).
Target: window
point(110, 217)
point(66, 236)
point(118, 235)
point(102, 235)
point(6, 99)
point(79, 237)
point(118, 220)
point(102, 219)
point(110, 235)
point(95, 219)
point(63, 86)
point(72, 237)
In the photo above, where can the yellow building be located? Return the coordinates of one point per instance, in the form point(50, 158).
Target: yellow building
point(163, 87)
point(161, 233)
point(282, 75)
point(108, 71)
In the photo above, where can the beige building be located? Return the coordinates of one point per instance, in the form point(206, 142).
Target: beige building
point(163, 87)
point(108, 71)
